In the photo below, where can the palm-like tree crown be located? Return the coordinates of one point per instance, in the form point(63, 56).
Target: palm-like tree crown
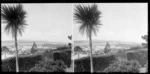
point(88, 16)
point(14, 17)
point(78, 48)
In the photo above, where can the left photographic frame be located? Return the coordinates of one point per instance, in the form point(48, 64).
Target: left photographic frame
point(36, 37)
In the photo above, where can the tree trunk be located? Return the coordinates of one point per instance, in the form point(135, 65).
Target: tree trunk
point(16, 45)
point(91, 57)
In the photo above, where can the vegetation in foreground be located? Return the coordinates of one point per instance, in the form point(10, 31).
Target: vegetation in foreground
point(133, 62)
point(49, 66)
point(99, 63)
point(123, 66)
point(59, 60)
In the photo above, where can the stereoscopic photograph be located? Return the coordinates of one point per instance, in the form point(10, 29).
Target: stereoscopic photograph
point(74, 37)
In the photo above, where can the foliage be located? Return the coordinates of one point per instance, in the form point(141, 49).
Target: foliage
point(14, 17)
point(49, 66)
point(34, 48)
point(70, 38)
point(62, 48)
point(136, 48)
point(121, 54)
point(145, 37)
point(88, 16)
point(25, 63)
point(47, 55)
point(65, 56)
point(5, 49)
point(107, 48)
point(123, 66)
point(69, 44)
point(99, 63)
point(144, 45)
point(77, 49)
point(140, 56)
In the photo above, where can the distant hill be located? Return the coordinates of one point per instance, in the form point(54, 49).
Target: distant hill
point(103, 42)
point(30, 42)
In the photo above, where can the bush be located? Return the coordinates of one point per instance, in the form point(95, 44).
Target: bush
point(99, 63)
point(49, 66)
point(62, 48)
point(136, 48)
point(65, 56)
point(34, 48)
point(140, 56)
point(25, 63)
point(121, 54)
point(47, 55)
point(123, 66)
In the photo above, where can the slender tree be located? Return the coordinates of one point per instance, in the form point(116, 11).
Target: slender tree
point(88, 17)
point(78, 49)
point(34, 48)
point(14, 18)
point(107, 48)
point(5, 50)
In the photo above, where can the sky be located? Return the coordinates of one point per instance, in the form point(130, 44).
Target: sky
point(47, 22)
point(120, 21)
point(54, 22)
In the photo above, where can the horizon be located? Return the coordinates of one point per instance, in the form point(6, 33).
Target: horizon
point(67, 42)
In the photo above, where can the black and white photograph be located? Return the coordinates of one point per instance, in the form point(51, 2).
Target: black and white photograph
point(74, 37)
point(36, 37)
point(110, 37)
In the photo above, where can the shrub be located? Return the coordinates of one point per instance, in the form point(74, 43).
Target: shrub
point(107, 48)
point(123, 66)
point(140, 56)
point(34, 48)
point(65, 56)
point(99, 63)
point(5, 49)
point(62, 48)
point(47, 55)
point(49, 66)
point(25, 63)
point(121, 54)
point(135, 48)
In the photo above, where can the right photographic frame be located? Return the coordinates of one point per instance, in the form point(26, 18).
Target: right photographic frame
point(110, 37)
